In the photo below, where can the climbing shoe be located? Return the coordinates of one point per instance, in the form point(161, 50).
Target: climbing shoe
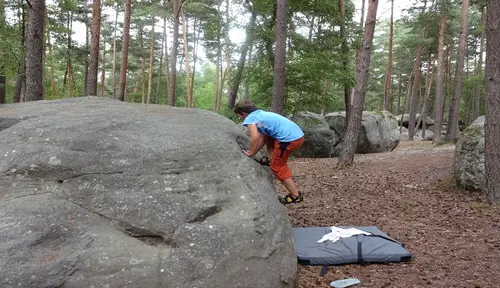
point(288, 199)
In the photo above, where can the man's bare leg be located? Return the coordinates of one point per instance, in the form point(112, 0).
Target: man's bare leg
point(291, 187)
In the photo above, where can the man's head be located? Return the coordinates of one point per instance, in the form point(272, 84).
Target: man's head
point(243, 108)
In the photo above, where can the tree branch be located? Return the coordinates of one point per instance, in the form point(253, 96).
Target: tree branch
point(29, 4)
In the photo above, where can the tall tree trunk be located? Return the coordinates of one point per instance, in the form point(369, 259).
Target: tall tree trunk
point(246, 96)
point(388, 75)
point(345, 62)
point(492, 125)
point(52, 75)
point(241, 62)
point(34, 51)
point(218, 64)
point(21, 76)
point(189, 100)
point(163, 39)
point(114, 51)
point(151, 62)
point(361, 21)
point(68, 65)
point(350, 141)
point(439, 98)
point(477, 105)
point(173, 58)
point(227, 73)
point(196, 32)
point(3, 80)
point(278, 104)
point(428, 85)
point(416, 90)
point(462, 47)
point(143, 80)
point(125, 45)
point(94, 48)
point(86, 74)
point(103, 71)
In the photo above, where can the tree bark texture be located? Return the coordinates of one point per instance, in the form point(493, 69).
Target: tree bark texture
point(278, 104)
point(416, 90)
point(492, 124)
point(34, 51)
point(350, 141)
point(439, 98)
point(94, 48)
point(125, 44)
point(388, 76)
point(172, 83)
point(459, 72)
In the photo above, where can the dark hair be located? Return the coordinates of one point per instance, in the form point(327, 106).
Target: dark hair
point(244, 106)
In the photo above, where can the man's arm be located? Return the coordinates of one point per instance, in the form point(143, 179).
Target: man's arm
point(254, 140)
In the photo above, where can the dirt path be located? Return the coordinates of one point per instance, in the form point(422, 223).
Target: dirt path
point(409, 193)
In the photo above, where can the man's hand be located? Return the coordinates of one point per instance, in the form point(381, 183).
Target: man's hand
point(247, 153)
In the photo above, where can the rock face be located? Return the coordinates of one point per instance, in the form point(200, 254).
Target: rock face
point(469, 156)
point(320, 140)
point(379, 131)
point(101, 193)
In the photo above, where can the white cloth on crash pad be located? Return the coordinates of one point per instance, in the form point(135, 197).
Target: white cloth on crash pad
point(338, 233)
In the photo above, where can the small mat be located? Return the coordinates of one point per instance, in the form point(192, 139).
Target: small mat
point(362, 249)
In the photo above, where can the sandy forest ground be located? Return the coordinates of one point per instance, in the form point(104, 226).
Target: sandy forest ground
point(453, 234)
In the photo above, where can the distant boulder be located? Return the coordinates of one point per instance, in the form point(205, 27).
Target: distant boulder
point(406, 120)
point(469, 156)
point(379, 131)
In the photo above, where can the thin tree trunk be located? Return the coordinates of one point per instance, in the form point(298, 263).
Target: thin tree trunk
point(462, 47)
point(217, 70)
point(492, 125)
point(103, 71)
point(439, 99)
point(189, 100)
point(151, 62)
point(143, 80)
point(241, 62)
point(125, 45)
point(175, 43)
point(399, 93)
point(68, 65)
point(477, 106)
point(227, 73)
point(86, 74)
point(416, 91)
point(278, 104)
point(114, 51)
point(21, 77)
point(350, 141)
point(34, 51)
point(428, 85)
point(345, 62)
point(408, 94)
point(161, 61)
point(3, 80)
point(94, 47)
point(196, 32)
point(246, 95)
point(388, 75)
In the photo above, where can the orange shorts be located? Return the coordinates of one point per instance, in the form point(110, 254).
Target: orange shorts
point(280, 156)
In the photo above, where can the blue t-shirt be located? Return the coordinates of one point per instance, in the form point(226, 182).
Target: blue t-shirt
point(274, 125)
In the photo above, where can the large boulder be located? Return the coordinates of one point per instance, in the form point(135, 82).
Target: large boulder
point(379, 131)
point(469, 156)
point(101, 193)
point(319, 139)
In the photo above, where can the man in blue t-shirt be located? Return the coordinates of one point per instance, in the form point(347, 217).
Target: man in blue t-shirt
point(281, 135)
